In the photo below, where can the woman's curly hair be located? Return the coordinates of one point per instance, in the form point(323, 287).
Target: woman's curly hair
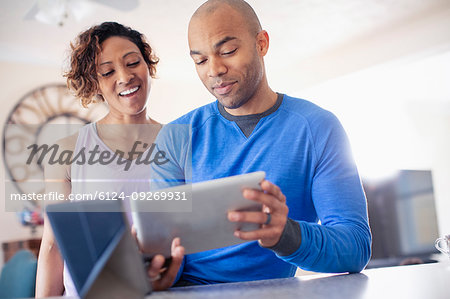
point(82, 73)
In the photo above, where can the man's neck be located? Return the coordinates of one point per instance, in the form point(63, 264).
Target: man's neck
point(260, 102)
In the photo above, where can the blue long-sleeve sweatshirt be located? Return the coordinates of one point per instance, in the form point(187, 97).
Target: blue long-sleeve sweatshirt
point(304, 150)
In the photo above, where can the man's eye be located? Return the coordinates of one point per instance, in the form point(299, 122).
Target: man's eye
point(229, 52)
point(107, 74)
point(200, 62)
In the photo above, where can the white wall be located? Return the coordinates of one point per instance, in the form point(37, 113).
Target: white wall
point(397, 116)
point(15, 81)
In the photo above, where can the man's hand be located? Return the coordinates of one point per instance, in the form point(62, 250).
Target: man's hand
point(272, 218)
point(163, 278)
point(160, 276)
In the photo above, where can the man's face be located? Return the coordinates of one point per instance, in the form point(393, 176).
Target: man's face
point(226, 57)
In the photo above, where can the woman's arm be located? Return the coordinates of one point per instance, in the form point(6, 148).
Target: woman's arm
point(49, 278)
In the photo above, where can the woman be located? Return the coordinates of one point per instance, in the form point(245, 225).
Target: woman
point(115, 64)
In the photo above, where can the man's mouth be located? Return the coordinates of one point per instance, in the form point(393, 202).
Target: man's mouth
point(223, 88)
point(129, 92)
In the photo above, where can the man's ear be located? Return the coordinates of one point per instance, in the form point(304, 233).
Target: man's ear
point(262, 42)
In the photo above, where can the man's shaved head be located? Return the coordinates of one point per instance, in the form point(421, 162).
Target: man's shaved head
point(227, 45)
point(240, 6)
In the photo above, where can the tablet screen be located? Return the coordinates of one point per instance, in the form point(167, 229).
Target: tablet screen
point(85, 239)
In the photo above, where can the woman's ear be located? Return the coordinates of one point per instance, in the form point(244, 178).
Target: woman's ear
point(99, 98)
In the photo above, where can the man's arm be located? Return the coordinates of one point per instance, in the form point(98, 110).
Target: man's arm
point(335, 247)
point(341, 243)
point(174, 142)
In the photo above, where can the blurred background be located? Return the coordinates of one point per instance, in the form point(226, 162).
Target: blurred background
point(382, 66)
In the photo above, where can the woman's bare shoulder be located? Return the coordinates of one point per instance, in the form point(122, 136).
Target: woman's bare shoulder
point(68, 143)
point(56, 170)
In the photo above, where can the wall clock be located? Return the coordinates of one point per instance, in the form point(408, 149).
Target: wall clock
point(49, 109)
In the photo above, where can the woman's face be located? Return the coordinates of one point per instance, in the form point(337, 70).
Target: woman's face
point(123, 77)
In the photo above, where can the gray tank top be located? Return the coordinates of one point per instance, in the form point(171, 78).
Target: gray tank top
point(109, 178)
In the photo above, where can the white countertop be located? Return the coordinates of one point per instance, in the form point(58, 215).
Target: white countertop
point(416, 281)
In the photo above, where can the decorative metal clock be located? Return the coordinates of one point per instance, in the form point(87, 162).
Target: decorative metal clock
point(30, 119)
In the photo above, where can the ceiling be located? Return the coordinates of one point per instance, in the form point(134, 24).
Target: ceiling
point(358, 58)
point(326, 38)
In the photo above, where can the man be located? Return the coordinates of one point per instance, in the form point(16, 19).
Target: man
point(302, 148)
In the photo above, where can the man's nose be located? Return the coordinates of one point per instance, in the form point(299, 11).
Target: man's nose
point(216, 67)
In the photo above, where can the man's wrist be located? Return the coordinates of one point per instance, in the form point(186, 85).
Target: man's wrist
point(290, 239)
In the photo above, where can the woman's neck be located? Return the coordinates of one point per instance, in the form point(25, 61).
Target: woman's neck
point(141, 118)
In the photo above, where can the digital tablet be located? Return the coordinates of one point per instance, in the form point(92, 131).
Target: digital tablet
point(98, 248)
point(206, 227)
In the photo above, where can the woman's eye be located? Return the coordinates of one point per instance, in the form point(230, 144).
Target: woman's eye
point(107, 74)
point(134, 63)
